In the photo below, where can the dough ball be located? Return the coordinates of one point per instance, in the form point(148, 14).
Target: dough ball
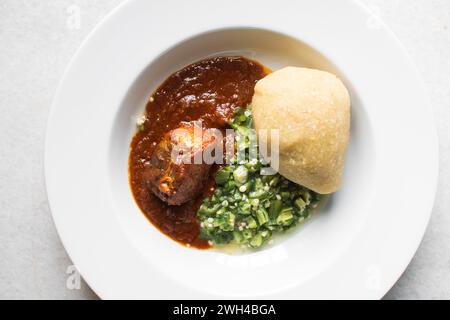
point(311, 110)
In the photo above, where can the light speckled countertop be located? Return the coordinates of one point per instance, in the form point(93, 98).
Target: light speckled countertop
point(37, 40)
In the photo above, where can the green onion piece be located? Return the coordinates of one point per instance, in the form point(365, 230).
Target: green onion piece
point(231, 219)
point(256, 241)
point(222, 177)
point(259, 183)
point(257, 194)
point(205, 210)
point(240, 175)
point(254, 203)
point(230, 185)
point(247, 234)
point(262, 216)
point(245, 208)
point(285, 195)
point(274, 181)
point(238, 236)
point(251, 223)
point(300, 203)
point(285, 217)
point(275, 209)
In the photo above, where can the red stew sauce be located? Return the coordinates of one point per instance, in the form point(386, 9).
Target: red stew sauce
point(209, 90)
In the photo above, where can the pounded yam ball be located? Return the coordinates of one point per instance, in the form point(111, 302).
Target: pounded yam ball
point(311, 110)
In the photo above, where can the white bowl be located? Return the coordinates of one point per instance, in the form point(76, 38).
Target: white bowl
point(356, 247)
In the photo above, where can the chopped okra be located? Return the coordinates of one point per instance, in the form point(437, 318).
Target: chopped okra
point(248, 208)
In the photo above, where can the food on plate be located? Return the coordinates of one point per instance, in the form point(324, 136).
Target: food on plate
point(233, 198)
point(311, 110)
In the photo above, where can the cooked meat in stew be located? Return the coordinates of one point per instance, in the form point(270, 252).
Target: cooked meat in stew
point(176, 172)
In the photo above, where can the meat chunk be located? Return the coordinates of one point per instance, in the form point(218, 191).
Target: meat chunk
point(177, 172)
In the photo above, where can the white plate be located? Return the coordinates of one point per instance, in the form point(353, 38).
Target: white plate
point(357, 247)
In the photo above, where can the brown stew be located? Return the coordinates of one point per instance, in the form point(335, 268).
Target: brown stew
point(209, 90)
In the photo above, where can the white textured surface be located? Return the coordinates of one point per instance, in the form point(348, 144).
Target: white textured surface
point(37, 40)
